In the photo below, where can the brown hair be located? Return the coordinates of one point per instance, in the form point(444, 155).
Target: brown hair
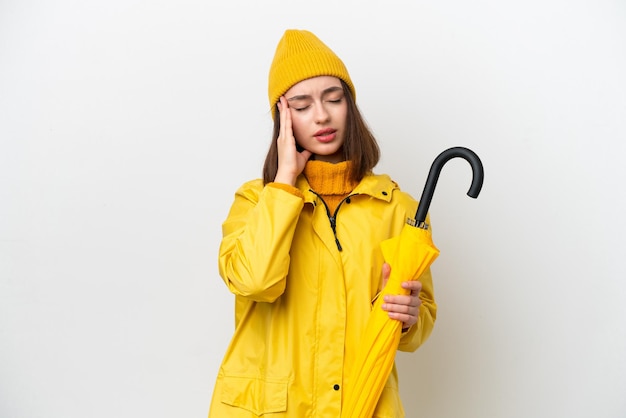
point(359, 145)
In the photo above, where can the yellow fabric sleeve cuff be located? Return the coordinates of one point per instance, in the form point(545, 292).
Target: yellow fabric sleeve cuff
point(288, 188)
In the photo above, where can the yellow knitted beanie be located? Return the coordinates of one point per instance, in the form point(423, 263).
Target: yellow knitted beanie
point(301, 55)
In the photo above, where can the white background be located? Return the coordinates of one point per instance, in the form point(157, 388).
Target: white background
point(127, 125)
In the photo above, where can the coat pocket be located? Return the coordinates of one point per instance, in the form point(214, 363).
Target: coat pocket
point(257, 395)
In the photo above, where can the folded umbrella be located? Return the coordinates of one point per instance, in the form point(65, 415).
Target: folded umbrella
point(409, 255)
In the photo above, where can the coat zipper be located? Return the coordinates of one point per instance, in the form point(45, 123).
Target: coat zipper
point(333, 218)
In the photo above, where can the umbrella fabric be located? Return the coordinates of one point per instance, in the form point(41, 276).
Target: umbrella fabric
point(409, 255)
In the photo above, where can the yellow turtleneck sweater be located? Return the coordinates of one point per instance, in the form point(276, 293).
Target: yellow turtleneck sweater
point(330, 181)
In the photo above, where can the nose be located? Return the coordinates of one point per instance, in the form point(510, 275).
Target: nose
point(321, 113)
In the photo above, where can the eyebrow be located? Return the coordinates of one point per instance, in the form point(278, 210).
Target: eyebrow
point(308, 96)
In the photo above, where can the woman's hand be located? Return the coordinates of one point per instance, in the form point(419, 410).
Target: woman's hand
point(404, 308)
point(290, 162)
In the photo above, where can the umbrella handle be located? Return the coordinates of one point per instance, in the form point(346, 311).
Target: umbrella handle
point(435, 169)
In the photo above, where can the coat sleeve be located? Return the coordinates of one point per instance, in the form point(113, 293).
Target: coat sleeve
point(256, 239)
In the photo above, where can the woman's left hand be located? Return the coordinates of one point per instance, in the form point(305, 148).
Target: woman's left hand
point(404, 308)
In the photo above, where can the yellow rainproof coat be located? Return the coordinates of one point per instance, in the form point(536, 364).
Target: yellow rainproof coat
point(304, 285)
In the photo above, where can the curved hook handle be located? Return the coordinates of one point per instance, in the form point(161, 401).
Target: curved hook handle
point(429, 188)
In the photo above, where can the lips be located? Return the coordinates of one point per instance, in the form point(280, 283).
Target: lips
point(325, 135)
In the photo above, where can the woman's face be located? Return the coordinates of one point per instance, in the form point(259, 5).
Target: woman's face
point(318, 116)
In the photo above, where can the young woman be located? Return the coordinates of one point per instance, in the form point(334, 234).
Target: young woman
point(301, 250)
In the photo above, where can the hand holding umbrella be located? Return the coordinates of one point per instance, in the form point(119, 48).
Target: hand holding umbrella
point(409, 255)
